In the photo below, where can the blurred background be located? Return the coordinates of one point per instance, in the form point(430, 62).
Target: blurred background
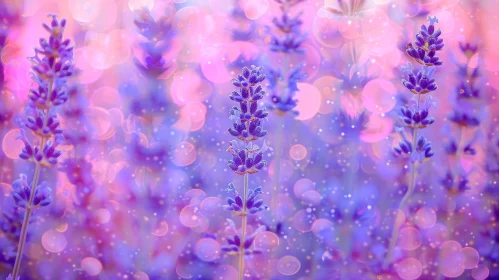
point(139, 189)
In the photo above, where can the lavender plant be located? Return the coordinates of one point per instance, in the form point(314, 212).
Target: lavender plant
point(52, 65)
point(465, 118)
point(283, 82)
point(158, 34)
point(77, 166)
point(247, 158)
point(150, 104)
point(415, 116)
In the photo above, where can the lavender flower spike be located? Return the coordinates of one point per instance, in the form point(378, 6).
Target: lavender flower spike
point(284, 83)
point(427, 44)
point(420, 83)
point(247, 158)
point(52, 65)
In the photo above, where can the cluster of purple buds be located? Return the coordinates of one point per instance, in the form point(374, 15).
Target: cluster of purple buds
point(46, 156)
point(284, 86)
point(422, 150)
point(455, 185)
point(45, 99)
point(427, 44)
point(451, 148)
point(234, 241)
point(247, 160)
point(466, 93)
point(465, 90)
point(22, 191)
point(253, 205)
point(10, 224)
point(8, 255)
point(247, 117)
point(420, 83)
point(353, 83)
point(291, 28)
point(159, 35)
point(468, 49)
point(417, 117)
point(43, 126)
point(464, 119)
point(153, 157)
point(283, 103)
point(246, 30)
point(78, 171)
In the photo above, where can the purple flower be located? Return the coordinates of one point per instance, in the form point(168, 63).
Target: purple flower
point(247, 160)
point(159, 34)
point(247, 124)
point(353, 83)
point(422, 150)
point(417, 117)
point(154, 156)
point(246, 30)
point(247, 157)
point(43, 99)
point(52, 65)
point(455, 185)
point(42, 125)
point(153, 30)
point(79, 172)
point(464, 119)
point(22, 191)
point(235, 203)
point(420, 83)
point(292, 39)
point(468, 49)
point(427, 44)
point(405, 146)
point(234, 242)
point(284, 101)
point(466, 90)
point(11, 223)
point(284, 85)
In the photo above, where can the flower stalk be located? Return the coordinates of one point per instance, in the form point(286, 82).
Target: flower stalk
point(52, 65)
point(423, 51)
point(247, 158)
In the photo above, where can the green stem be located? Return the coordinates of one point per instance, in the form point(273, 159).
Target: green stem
point(243, 230)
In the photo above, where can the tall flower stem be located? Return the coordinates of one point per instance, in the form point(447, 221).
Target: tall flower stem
point(278, 137)
point(405, 198)
point(243, 229)
point(278, 156)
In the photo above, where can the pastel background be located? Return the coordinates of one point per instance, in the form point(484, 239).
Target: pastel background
point(114, 215)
